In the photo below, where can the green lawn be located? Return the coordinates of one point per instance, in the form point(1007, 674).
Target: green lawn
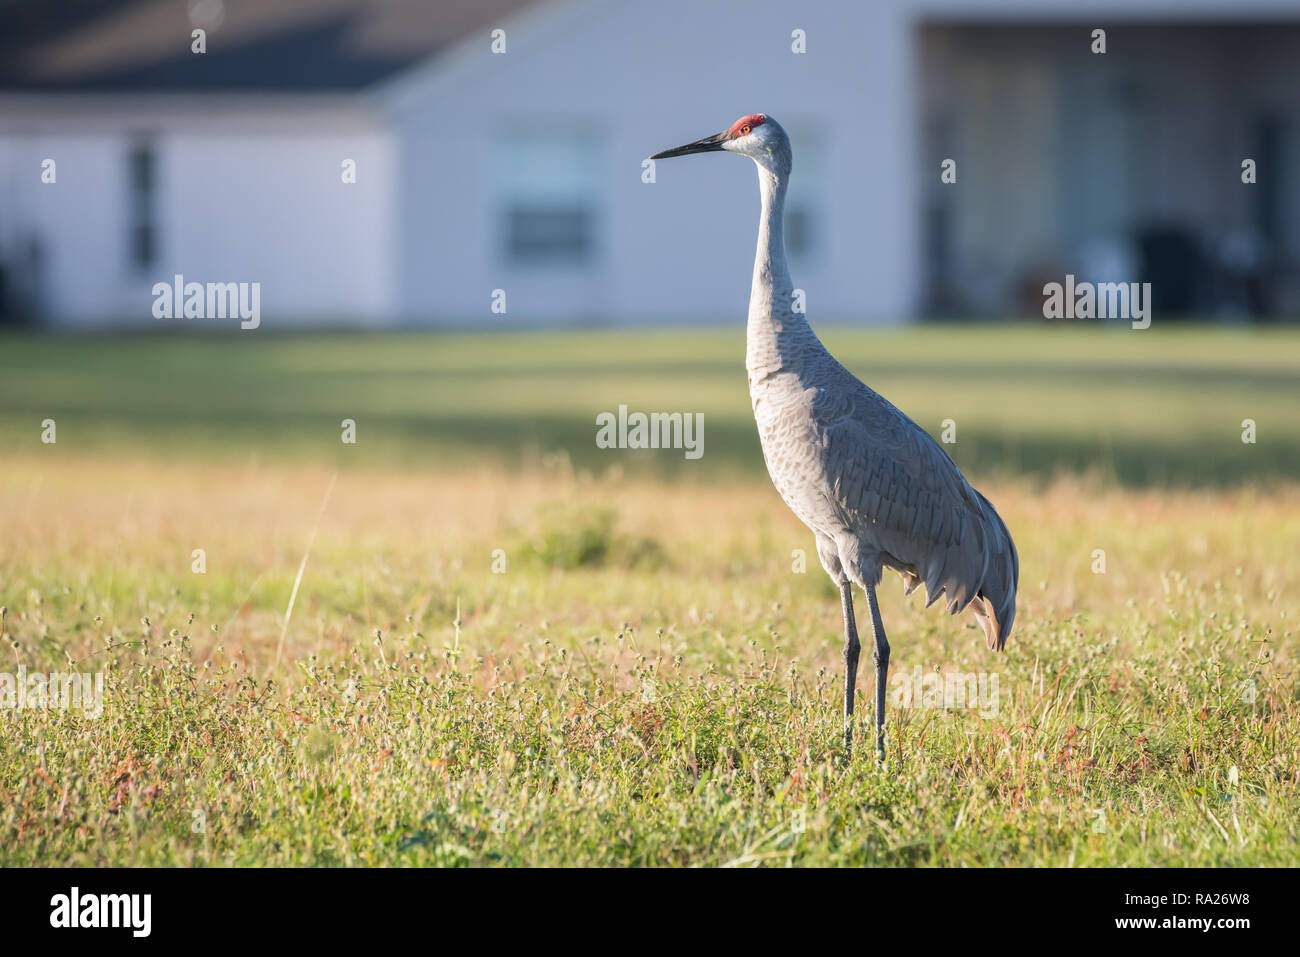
point(509, 647)
point(1154, 407)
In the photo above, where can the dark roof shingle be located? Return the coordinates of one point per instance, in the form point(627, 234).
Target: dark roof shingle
point(252, 45)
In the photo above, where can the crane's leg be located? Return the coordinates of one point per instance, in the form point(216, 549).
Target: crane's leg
point(879, 655)
point(851, 648)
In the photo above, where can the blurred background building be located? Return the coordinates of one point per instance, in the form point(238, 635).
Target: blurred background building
point(522, 170)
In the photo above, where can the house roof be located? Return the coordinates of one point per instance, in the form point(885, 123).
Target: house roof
point(286, 46)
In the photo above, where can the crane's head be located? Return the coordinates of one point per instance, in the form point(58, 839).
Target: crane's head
point(757, 136)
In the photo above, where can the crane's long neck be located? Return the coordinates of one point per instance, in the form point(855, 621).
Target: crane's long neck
point(772, 290)
point(776, 336)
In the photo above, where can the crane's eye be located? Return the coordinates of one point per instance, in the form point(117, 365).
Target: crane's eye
point(744, 130)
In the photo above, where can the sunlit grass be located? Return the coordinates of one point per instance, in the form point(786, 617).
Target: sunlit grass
point(648, 680)
point(512, 647)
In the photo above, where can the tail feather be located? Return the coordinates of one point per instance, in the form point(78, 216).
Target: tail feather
point(982, 574)
point(987, 616)
point(995, 608)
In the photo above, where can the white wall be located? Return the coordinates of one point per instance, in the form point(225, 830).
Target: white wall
point(245, 193)
point(644, 78)
point(79, 220)
point(274, 209)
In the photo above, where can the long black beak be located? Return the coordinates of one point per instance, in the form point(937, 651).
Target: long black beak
point(710, 144)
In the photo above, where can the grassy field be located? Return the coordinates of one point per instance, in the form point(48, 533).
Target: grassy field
point(1152, 408)
point(510, 647)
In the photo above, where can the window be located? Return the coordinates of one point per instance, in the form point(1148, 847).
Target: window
point(142, 177)
point(803, 200)
point(549, 215)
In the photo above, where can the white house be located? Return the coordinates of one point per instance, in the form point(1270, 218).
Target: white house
point(498, 152)
point(216, 189)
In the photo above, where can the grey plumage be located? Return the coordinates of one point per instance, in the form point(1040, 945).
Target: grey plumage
point(875, 489)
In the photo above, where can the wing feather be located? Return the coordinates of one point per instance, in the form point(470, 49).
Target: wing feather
point(899, 491)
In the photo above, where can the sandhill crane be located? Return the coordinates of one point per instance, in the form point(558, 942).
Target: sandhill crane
point(875, 489)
